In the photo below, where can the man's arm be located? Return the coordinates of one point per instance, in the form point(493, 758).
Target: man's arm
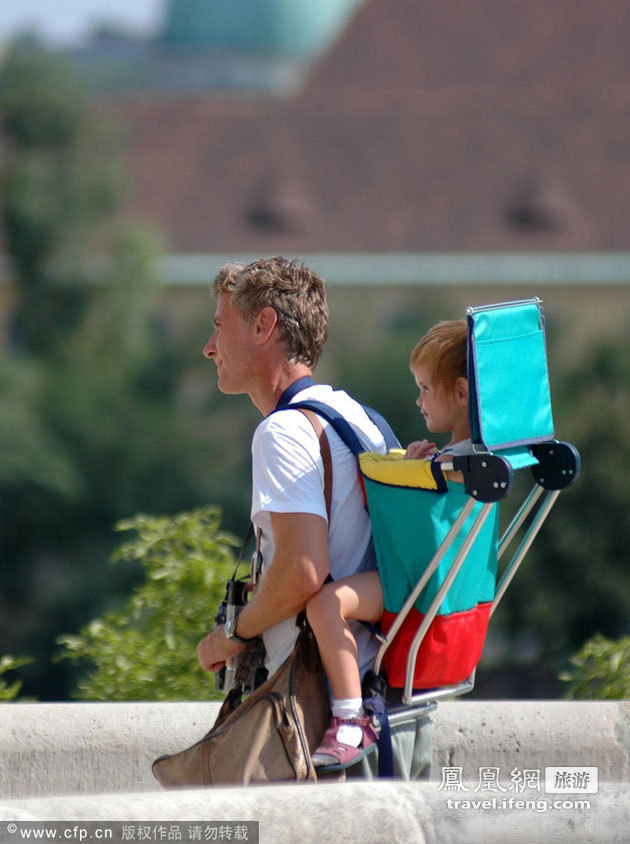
point(298, 569)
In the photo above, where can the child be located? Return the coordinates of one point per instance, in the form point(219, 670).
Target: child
point(438, 363)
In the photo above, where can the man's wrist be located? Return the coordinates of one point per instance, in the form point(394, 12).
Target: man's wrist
point(230, 632)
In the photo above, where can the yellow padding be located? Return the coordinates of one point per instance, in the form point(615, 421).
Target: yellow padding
point(393, 469)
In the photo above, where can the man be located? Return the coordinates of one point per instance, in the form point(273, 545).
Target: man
point(271, 323)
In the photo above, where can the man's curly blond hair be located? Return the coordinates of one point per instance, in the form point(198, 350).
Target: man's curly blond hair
point(295, 292)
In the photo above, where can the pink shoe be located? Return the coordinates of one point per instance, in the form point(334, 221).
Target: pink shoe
point(333, 755)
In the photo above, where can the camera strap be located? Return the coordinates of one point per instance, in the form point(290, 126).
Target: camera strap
point(246, 541)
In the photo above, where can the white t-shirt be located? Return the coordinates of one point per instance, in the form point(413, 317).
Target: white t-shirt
point(288, 477)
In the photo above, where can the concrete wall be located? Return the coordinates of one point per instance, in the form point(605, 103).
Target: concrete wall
point(72, 748)
point(92, 762)
point(370, 813)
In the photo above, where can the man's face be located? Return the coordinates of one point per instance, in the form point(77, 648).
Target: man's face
point(231, 347)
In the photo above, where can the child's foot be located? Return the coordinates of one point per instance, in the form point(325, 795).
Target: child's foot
point(333, 754)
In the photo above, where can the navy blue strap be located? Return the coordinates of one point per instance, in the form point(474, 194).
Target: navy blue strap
point(391, 440)
point(293, 390)
point(374, 690)
point(343, 427)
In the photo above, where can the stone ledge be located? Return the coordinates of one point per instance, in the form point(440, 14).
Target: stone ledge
point(83, 748)
point(374, 813)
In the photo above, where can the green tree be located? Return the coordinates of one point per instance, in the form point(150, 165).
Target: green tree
point(9, 691)
point(61, 180)
point(146, 650)
point(600, 670)
point(575, 581)
point(379, 375)
point(91, 428)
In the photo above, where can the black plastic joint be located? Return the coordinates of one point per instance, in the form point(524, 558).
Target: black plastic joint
point(487, 477)
point(558, 464)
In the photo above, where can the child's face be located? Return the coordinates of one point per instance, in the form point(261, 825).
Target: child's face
point(443, 410)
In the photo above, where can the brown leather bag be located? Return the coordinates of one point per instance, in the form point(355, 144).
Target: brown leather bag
point(267, 738)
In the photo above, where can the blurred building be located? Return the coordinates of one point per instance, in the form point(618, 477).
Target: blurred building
point(251, 47)
point(369, 125)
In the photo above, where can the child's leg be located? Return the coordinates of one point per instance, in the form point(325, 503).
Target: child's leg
point(359, 596)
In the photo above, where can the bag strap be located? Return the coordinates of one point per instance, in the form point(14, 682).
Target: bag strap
point(375, 689)
point(324, 447)
point(375, 703)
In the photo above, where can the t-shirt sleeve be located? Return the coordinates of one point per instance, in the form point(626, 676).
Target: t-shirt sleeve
point(287, 469)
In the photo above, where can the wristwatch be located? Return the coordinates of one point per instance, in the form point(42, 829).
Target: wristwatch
point(230, 632)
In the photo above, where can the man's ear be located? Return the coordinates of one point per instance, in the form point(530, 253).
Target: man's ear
point(461, 391)
point(264, 324)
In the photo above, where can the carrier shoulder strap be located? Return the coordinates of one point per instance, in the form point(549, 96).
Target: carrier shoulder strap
point(341, 425)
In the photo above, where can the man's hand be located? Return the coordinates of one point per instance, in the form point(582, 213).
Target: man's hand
point(420, 450)
point(215, 649)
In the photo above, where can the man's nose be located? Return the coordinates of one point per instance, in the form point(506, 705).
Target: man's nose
point(209, 350)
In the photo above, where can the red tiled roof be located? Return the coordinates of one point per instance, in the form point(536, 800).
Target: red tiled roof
point(485, 125)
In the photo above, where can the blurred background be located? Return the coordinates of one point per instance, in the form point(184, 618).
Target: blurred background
point(421, 156)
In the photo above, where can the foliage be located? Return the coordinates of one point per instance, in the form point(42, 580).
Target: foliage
point(601, 670)
point(147, 649)
point(575, 580)
point(61, 181)
point(10, 663)
point(90, 424)
point(30, 452)
point(380, 376)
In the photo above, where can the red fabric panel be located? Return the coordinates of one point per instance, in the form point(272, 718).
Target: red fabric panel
point(450, 650)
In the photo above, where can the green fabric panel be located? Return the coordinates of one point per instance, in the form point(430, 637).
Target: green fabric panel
point(408, 526)
point(512, 384)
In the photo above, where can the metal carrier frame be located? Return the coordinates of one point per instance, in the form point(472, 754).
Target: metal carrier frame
point(488, 478)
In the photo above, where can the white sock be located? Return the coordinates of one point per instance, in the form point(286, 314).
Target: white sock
point(351, 707)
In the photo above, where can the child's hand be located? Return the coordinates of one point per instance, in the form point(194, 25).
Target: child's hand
point(420, 450)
